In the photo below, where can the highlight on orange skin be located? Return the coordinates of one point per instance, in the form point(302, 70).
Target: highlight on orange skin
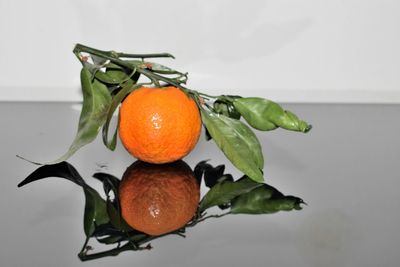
point(159, 125)
point(158, 198)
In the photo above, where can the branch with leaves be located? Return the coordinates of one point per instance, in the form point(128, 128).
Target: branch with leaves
point(107, 77)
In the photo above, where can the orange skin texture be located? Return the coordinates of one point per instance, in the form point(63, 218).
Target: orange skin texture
point(159, 125)
point(158, 199)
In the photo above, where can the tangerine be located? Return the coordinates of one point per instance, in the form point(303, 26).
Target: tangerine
point(158, 198)
point(159, 125)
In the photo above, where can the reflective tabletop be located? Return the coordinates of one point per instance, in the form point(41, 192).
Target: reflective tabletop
point(346, 170)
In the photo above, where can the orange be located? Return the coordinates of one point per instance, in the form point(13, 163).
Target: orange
point(159, 125)
point(158, 198)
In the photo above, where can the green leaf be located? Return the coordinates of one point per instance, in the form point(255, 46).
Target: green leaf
point(225, 191)
point(233, 113)
point(99, 61)
point(266, 115)
point(112, 66)
point(118, 76)
point(207, 134)
point(92, 68)
point(237, 141)
point(264, 200)
point(127, 88)
point(110, 78)
point(96, 102)
point(226, 109)
point(96, 72)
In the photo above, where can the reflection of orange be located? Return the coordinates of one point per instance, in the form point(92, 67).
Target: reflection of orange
point(159, 125)
point(157, 199)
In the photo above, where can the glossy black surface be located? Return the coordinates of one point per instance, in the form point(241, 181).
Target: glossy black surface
point(346, 169)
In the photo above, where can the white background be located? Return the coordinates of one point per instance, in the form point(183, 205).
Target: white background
point(303, 50)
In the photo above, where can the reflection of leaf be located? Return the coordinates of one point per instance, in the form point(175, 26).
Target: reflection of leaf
point(96, 102)
point(106, 230)
point(111, 183)
point(225, 191)
point(95, 206)
point(95, 211)
point(264, 200)
point(211, 174)
point(199, 170)
point(237, 141)
point(60, 170)
point(103, 220)
point(266, 115)
point(111, 239)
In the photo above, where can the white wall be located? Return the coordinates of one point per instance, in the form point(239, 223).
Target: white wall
point(299, 50)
